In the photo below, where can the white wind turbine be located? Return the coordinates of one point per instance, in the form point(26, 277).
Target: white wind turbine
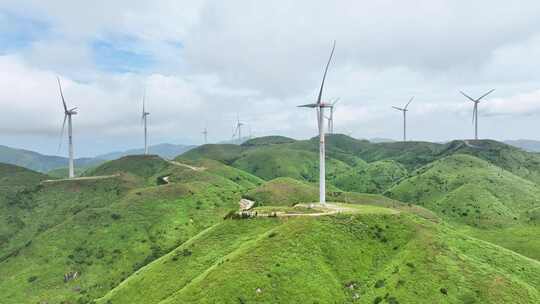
point(331, 116)
point(320, 106)
point(475, 110)
point(205, 134)
point(144, 118)
point(67, 116)
point(404, 110)
point(238, 129)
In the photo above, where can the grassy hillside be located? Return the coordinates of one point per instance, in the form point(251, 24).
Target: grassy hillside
point(272, 162)
point(366, 258)
point(283, 191)
point(374, 177)
point(465, 189)
point(515, 160)
point(493, 203)
point(107, 228)
point(226, 153)
point(13, 178)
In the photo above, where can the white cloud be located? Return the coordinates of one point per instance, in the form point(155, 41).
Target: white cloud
point(214, 59)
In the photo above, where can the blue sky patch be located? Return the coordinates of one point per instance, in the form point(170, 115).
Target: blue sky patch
point(120, 54)
point(17, 32)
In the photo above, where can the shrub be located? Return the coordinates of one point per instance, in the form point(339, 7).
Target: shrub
point(115, 216)
point(32, 279)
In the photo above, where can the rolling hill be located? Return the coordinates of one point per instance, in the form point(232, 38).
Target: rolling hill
point(466, 190)
point(39, 162)
point(106, 227)
point(409, 222)
point(376, 257)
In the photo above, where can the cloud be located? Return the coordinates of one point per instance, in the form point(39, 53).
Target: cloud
point(205, 62)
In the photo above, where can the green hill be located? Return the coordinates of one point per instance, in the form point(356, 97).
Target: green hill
point(494, 203)
point(13, 177)
point(267, 140)
point(366, 258)
point(226, 153)
point(39, 162)
point(515, 160)
point(374, 177)
point(465, 189)
point(283, 191)
point(106, 227)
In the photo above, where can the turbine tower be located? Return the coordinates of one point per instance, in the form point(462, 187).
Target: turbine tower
point(144, 118)
point(67, 116)
point(404, 110)
point(331, 117)
point(320, 106)
point(475, 110)
point(238, 129)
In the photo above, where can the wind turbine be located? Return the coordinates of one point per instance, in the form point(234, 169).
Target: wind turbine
point(331, 117)
point(320, 106)
point(205, 134)
point(475, 110)
point(404, 110)
point(67, 116)
point(144, 118)
point(238, 129)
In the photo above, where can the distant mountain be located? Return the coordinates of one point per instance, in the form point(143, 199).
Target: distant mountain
point(40, 162)
point(525, 144)
point(168, 151)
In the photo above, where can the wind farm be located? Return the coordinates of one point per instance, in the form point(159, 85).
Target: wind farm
point(196, 173)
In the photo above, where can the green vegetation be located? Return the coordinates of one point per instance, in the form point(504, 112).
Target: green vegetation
point(283, 191)
point(373, 177)
point(366, 257)
point(409, 223)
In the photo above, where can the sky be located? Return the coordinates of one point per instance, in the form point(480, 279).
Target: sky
point(205, 63)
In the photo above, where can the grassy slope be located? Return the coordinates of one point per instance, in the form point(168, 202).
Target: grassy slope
point(283, 191)
point(493, 203)
point(374, 177)
point(515, 160)
point(365, 257)
point(106, 232)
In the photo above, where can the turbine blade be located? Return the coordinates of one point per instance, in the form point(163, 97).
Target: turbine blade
point(475, 109)
point(62, 132)
point(408, 103)
point(469, 97)
point(400, 109)
point(144, 102)
point(62, 94)
point(485, 95)
point(325, 72)
point(309, 105)
point(335, 101)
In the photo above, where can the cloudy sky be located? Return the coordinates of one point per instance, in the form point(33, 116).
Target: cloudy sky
point(205, 62)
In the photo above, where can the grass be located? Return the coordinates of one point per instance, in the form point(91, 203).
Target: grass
point(397, 258)
point(107, 229)
point(455, 225)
